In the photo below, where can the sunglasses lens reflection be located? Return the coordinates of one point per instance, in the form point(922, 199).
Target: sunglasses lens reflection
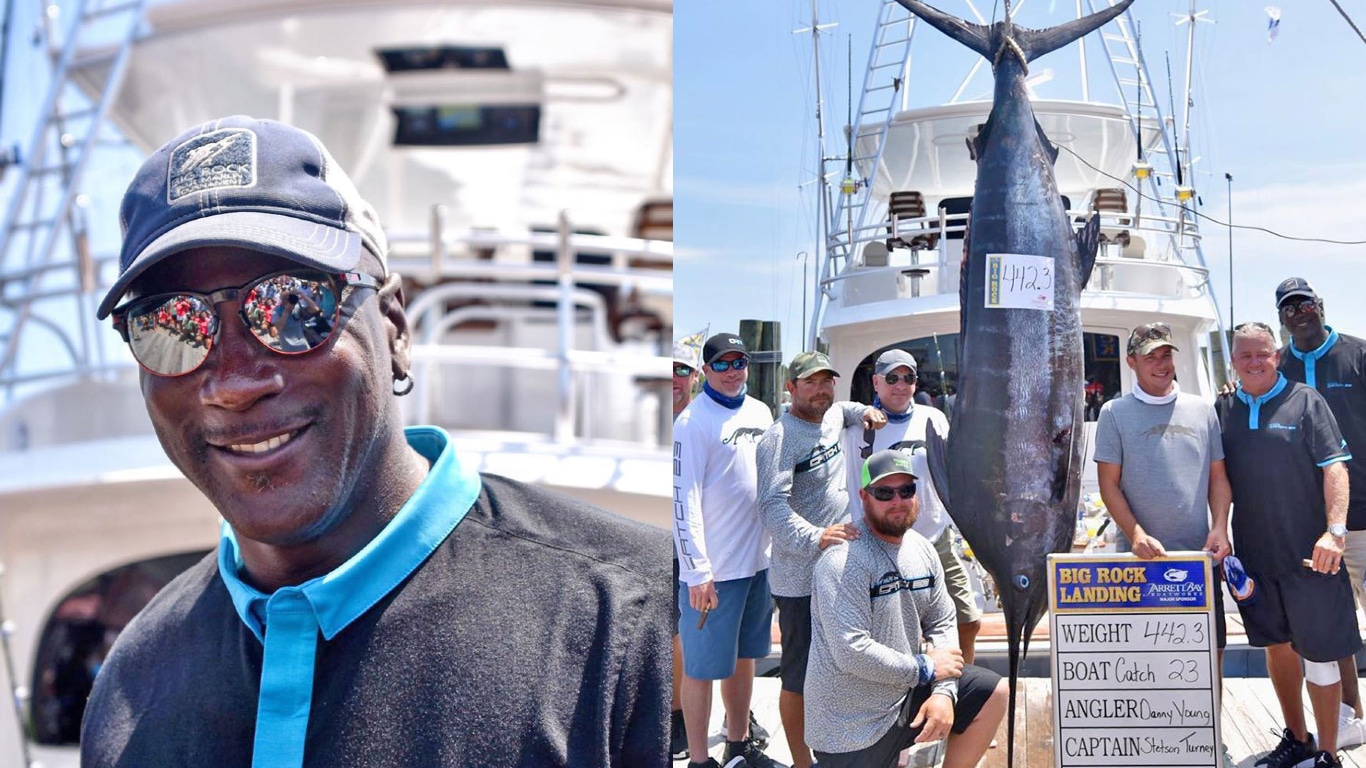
point(172, 335)
point(291, 314)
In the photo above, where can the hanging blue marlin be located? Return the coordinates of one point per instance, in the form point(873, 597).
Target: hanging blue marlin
point(1010, 472)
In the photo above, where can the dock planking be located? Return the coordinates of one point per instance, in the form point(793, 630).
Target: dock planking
point(1251, 724)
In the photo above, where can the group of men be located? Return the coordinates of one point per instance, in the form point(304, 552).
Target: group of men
point(1277, 448)
point(812, 512)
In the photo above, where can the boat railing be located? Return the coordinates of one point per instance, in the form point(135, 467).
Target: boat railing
point(1137, 257)
point(610, 375)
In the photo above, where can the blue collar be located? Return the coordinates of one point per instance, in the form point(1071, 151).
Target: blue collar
point(1311, 358)
point(1254, 404)
point(340, 597)
point(895, 418)
point(725, 401)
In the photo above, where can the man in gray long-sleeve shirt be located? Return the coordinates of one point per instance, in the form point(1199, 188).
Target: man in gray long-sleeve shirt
point(803, 502)
point(875, 600)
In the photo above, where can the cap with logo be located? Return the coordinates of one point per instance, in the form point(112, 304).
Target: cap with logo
point(807, 363)
point(893, 359)
point(244, 182)
point(684, 354)
point(1292, 287)
point(720, 344)
point(884, 464)
point(1146, 338)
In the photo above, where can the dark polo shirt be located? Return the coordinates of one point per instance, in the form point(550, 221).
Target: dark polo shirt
point(1338, 371)
point(1275, 448)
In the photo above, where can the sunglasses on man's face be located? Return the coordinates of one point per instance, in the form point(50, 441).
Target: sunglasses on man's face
point(682, 371)
point(887, 492)
point(289, 313)
point(721, 366)
point(893, 379)
point(1292, 308)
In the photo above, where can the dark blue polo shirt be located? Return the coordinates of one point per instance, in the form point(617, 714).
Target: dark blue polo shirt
point(1275, 448)
point(1338, 371)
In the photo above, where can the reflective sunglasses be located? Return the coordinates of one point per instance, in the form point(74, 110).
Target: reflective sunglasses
point(682, 371)
point(886, 492)
point(289, 313)
point(721, 366)
point(1292, 308)
point(896, 378)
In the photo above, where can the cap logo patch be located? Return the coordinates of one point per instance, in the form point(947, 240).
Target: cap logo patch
point(219, 160)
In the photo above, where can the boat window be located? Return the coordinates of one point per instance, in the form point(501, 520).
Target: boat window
point(936, 359)
point(937, 370)
point(1102, 361)
point(79, 634)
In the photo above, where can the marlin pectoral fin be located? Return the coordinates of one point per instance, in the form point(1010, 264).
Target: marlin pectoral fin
point(1048, 146)
point(1088, 243)
point(936, 453)
point(1037, 42)
point(974, 36)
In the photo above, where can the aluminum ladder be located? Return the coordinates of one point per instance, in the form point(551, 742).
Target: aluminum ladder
point(41, 283)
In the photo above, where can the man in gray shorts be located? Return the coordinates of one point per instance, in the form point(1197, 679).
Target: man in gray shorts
point(803, 504)
point(894, 384)
point(1160, 461)
point(876, 600)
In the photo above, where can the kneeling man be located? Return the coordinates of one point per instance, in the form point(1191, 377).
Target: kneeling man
point(885, 671)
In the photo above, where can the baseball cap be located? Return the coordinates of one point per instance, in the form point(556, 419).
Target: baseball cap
point(893, 359)
point(684, 354)
point(807, 363)
point(720, 344)
point(240, 181)
point(1294, 286)
point(885, 463)
point(1146, 338)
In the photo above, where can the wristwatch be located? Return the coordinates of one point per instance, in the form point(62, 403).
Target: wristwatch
point(1338, 529)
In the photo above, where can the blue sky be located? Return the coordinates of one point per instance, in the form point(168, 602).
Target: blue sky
point(1284, 118)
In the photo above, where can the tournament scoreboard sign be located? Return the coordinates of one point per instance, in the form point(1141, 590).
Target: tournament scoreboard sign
point(1134, 655)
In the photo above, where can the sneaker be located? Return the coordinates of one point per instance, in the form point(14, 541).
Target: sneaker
point(738, 762)
point(1290, 753)
point(749, 755)
point(678, 741)
point(1351, 729)
point(758, 734)
point(1326, 760)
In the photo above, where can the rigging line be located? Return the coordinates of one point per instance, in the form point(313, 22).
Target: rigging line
point(1211, 219)
point(1350, 23)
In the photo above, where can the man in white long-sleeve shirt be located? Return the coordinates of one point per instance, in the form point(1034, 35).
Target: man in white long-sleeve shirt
point(874, 690)
point(723, 594)
point(804, 505)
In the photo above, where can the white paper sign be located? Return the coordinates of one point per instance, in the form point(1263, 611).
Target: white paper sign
point(1134, 661)
point(1019, 281)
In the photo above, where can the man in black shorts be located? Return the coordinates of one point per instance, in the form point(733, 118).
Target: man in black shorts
point(1334, 364)
point(1286, 464)
point(867, 701)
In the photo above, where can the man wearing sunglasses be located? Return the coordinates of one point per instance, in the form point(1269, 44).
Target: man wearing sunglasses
point(885, 672)
point(373, 600)
point(1334, 364)
point(723, 592)
point(685, 376)
point(894, 385)
point(805, 507)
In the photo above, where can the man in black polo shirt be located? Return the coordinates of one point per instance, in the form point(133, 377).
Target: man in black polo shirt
point(1335, 365)
point(1286, 464)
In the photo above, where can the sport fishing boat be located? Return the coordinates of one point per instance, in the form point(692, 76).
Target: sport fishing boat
point(520, 157)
